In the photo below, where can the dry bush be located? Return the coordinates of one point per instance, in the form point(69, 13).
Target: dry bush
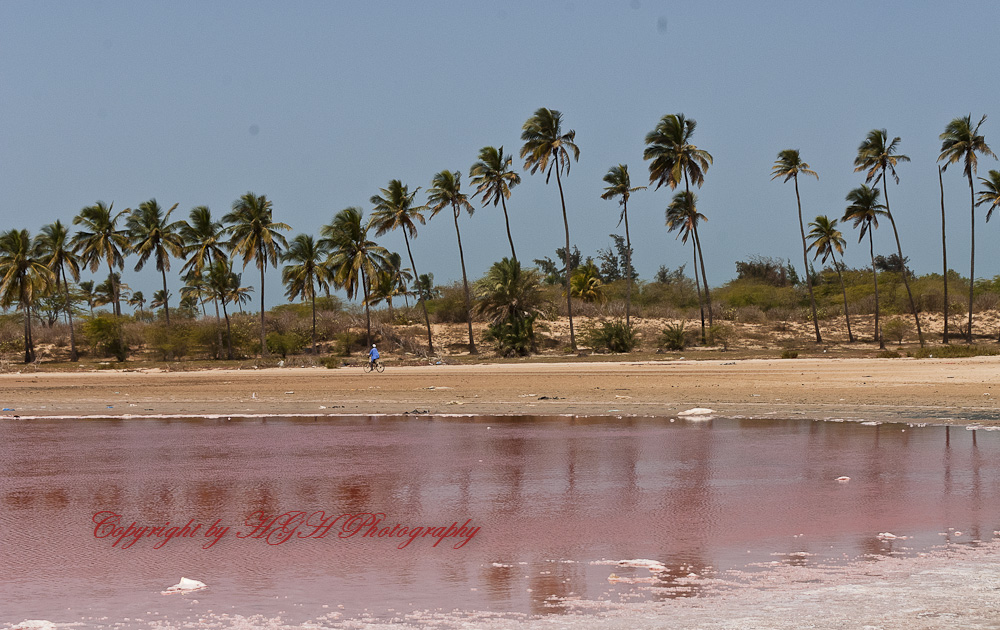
point(986, 302)
point(749, 315)
point(780, 314)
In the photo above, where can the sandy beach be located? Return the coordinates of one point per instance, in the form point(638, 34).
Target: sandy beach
point(960, 390)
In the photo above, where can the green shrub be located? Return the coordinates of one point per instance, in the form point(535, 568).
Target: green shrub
point(450, 307)
point(614, 336)
point(104, 334)
point(888, 354)
point(347, 342)
point(789, 354)
point(896, 329)
point(330, 363)
point(675, 337)
point(172, 342)
point(721, 334)
point(285, 343)
point(954, 352)
point(512, 336)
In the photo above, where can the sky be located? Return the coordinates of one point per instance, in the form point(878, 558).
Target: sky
point(318, 105)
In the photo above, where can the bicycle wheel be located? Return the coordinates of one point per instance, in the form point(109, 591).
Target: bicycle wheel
point(367, 367)
point(379, 366)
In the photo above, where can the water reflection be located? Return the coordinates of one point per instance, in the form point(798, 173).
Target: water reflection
point(554, 498)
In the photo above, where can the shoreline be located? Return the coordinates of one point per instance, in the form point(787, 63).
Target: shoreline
point(941, 391)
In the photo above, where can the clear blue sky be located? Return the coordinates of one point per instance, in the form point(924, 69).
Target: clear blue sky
point(319, 104)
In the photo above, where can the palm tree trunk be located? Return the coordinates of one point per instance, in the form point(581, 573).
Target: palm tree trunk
point(368, 317)
point(871, 249)
point(805, 261)
point(117, 308)
point(507, 223)
point(899, 250)
point(218, 321)
point(465, 285)
point(850, 335)
point(420, 297)
point(704, 278)
point(569, 300)
point(972, 248)
point(229, 334)
point(312, 294)
point(73, 355)
point(29, 350)
point(697, 286)
point(944, 256)
point(166, 308)
point(628, 266)
point(263, 341)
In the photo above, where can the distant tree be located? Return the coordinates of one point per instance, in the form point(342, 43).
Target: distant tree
point(683, 217)
point(446, 190)
point(827, 240)
point(554, 274)
point(99, 240)
point(152, 234)
point(306, 271)
point(864, 209)
point(586, 283)
point(425, 287)
point(493, 179)
point(23, 279)
point(893, 264)
point(53, 248)
point(138, 300)
point(620, 186)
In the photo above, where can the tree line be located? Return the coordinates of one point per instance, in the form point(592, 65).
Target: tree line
point(346, 257)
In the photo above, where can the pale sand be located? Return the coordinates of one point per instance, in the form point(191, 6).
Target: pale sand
point(927, 389)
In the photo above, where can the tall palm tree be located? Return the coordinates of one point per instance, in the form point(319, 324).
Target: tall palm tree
point(390, 282)
point(944, 255)
point(673, 157)
point(446, 190)
point(990, 195)
point(224, 285)
point(683, 217)
point(960, 142)
point(204, 242)
point(23, 277)
point(546, 148)
point(827, 240)
point(878, 155)
point(619, 185)
point(354, 259)
point(395, 208)
point(790, 165)
point(152, 234)
point(99, 239)
point(493, 179)
point(305, 273)
point(255, 237)
point(864, 209)
point(53, 248)
point(138, 300)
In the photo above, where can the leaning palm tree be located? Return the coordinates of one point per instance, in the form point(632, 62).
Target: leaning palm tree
point(619, 185)
point(960, 142)
point(493, 179)
point(52, 246)
point(879, 157)
point(864, 209)
point(683, 217)
point(446, 190)
point(827, 240)
point(100, 240)
point(990, 194)
point(789, 165)
point(672, 158)
point(153, 234)
point(546, 148)
point(255, 237)
point(354, 259)
point(395, 208)
point(305, 273)
point(23, 278)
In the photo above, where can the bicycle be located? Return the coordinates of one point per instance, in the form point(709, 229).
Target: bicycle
point(374, 365)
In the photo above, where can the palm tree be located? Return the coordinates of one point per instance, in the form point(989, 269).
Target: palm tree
point(878, 156)
point(510, 299)
point(203, 243)
point(394, 209)
point(619, 185)
point(683, 217)
point(864, 210)
point(390, 282)
point(789, 165)
point(53, 248)
point(944, 255)
point(154, 235)
point(493, 179)
point(446, 190)
point(23, 277)
point(960, 142)
point(546, 148)
point(138, 300)
point(827, 240)
point(990, 194)
point(307, 270)
point(225, 287)
point(89, 295)
point(160, 298)
point(673, 157)
point(101, 240)
point(586, 283)
point(354, 259)
point(255, 237)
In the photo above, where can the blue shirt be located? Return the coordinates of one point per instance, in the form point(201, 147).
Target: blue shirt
point(373, 354)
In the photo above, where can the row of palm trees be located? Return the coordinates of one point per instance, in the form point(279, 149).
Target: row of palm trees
point(346, 257)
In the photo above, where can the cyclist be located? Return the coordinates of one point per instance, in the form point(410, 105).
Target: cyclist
point(373, 356)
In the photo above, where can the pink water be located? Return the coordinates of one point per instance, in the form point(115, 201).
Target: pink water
point(553, 498)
